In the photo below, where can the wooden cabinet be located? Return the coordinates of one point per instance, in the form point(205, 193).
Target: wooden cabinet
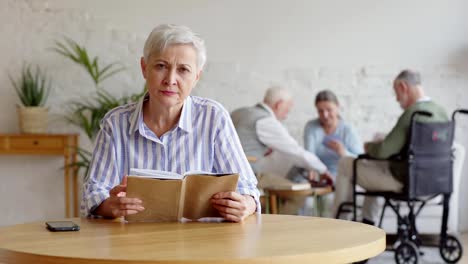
point(48, 144)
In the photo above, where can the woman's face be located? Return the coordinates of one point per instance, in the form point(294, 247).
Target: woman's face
point(328, 113)
point(171, 75)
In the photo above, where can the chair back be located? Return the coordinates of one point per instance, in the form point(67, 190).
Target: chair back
point(430, 158)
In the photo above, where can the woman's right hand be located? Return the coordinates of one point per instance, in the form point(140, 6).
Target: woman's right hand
point(118, 204)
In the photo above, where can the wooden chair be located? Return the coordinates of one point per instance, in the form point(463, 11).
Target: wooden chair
point(263, 198)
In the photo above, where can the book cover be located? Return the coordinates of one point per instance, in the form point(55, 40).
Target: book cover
point(169, 196)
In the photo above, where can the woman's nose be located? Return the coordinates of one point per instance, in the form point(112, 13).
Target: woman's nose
point(170, 78)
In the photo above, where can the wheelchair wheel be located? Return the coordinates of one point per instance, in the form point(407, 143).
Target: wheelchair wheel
point(451, 251)
point(406, 253)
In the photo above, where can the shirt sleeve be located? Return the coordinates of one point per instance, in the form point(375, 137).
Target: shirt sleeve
point(103, 172)
point(309, 139)
point(353, 143)
point(274, 135)
point(393, 142)
point(230, 157)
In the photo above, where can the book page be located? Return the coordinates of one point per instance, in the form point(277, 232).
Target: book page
point(155, 174)
point(161, 199)
point(198, 191)
point(206, 173)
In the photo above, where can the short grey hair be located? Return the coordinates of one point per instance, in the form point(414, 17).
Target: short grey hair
point(326, 96)
point(165, 35)
point(411, 77)
point(276, 93)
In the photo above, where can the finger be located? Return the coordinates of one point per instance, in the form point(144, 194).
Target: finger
point(118, 213)
point(124, 180)
point(229, 203)
point(126, 200)
point(227, 210)
point(228, 195)
point(231, 217)
point(118, 189)
point(136, 207)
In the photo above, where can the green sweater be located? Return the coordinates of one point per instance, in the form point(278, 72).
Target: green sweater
point(397, 138)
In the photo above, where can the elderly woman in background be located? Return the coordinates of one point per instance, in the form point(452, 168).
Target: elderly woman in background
point(168, 130)
point(329, 136)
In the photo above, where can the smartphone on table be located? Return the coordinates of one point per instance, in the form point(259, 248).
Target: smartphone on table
point(58, 226)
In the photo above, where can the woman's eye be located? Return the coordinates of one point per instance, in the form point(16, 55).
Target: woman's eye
point(184, 70)
point(160, 66)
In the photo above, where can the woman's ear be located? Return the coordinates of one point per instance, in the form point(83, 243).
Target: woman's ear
point(197, 78)
point(143, 66)
point(199, 75)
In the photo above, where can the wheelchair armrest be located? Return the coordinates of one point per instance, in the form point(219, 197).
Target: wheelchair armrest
point(363, 156)
point(368, 157)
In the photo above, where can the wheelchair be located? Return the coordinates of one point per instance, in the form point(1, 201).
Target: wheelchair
point(428, 159)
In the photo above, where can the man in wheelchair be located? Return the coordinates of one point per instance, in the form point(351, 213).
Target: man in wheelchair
point(386, 175)
point(412, 164)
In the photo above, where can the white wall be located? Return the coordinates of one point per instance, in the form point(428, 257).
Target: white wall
point(352, 47)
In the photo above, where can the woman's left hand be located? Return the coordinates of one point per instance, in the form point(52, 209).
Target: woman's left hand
point(234, 206)
point(337, 146)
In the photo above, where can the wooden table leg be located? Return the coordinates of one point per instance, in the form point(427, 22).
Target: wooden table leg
point(67, 183)
point(273, 204)
point(75, 175)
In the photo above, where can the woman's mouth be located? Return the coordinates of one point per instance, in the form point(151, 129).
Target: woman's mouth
point(168, 93)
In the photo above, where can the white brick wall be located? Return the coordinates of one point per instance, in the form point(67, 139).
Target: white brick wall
point(355, 49)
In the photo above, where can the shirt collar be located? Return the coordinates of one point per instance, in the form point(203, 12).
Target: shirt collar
point(423, 99)
point(136, 119)
point(262, 104)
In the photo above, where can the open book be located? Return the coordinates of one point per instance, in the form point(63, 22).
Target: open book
point(170, 196)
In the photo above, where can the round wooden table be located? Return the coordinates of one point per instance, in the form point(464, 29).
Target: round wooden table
point(260, 239)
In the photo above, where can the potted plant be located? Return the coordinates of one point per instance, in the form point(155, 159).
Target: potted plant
point(33, 89)
point(88, 112)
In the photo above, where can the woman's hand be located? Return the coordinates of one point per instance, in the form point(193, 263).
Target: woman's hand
point(337, 146)
point(234, 206)
point(118, 204)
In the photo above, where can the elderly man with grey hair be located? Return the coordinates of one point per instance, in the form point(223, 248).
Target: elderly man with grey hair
point(384, 175)
point(264, 137)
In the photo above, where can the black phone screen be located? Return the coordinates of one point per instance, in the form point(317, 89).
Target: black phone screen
point(62, 226)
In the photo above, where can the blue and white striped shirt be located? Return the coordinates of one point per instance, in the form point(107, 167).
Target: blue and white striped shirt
point(204, 140)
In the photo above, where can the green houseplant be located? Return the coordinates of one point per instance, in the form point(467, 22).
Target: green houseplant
point(87, 113)
point(33, 89)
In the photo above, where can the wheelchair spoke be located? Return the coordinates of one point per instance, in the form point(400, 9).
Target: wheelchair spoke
point(451, 249)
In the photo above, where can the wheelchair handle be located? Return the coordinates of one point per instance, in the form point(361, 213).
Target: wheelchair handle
point(462, 111)
point(423, 113)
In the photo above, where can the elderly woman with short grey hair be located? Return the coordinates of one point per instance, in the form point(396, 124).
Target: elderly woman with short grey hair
point(168, 130)
point(329, 136)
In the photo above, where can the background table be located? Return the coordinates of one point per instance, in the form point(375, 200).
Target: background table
point(274, 195)
point(48, 144)
point(260, 239)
